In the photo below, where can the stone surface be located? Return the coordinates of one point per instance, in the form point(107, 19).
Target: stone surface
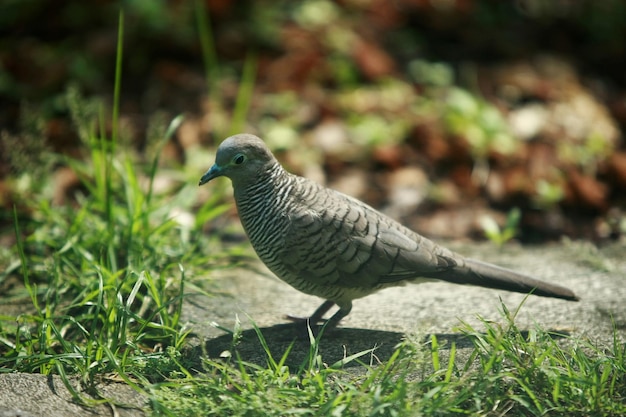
point(36, 395)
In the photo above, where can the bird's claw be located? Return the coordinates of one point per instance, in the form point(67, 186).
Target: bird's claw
point(309, 320)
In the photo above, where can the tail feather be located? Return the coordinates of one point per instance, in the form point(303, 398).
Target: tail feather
point(491, 276)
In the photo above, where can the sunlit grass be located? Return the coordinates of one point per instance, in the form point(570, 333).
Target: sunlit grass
point(105, 277)
point(507, 371)
point(105, 274)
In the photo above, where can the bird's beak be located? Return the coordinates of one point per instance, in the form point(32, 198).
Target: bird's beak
point(213, 172)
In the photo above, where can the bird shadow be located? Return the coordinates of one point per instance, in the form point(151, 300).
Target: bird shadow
point(257, 346)
point(275, 340)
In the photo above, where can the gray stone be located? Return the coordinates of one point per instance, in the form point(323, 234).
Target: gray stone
point(36, 395)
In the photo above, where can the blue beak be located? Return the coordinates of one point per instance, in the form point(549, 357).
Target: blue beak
point(213, 172)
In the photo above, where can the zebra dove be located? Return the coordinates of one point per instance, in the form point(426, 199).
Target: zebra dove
point(325, 243)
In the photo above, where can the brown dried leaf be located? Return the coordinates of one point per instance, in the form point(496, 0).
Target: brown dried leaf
point(587, 191)
point(372, 60)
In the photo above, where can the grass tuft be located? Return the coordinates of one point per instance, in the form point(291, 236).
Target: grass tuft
point(105, 275)
point(508, 371)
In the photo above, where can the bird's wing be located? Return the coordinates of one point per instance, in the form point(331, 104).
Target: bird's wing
point(346, 243)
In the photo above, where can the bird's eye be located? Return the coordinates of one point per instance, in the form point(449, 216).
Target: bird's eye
point(238, 159)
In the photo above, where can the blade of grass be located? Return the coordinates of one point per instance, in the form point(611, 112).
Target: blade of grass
point(31, 288)
point(209, 55)
point(117, 87)
point(450, 369)
point(244, 95)
point(169, 133)
point(434, 349)
point(350, 358)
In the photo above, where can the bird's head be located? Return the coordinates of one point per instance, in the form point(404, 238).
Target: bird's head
point(242, 158)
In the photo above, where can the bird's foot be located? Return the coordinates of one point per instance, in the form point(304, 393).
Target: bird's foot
point(310, 320)
point(315, 324)
point(316, 317)
point(307, 327)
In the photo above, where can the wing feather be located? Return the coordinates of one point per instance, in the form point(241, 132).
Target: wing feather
point(356, 247)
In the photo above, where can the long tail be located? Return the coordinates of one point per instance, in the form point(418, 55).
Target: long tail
point(491, 276)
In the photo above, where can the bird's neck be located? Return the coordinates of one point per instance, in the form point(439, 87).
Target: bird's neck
point(262, 201)
point(265, 183)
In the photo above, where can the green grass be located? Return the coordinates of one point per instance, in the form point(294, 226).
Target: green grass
point(105, 275)
point(507, 371)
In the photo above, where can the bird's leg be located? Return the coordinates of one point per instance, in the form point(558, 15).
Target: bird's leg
point(317, 316)
point(334, 320)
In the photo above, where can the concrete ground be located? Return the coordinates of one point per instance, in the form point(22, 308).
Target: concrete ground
point(598, 276)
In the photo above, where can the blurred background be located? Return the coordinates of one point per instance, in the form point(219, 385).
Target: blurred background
point(466, 118)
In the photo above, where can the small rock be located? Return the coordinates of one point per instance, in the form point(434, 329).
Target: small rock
point(407, 189)
point(352, 182)
point(331, 136)
point(528, 121)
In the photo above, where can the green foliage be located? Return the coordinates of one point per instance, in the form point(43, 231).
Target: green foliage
point(105, 275)
point(507, 371)
point(209, 55)
point(28, 156)
point(588, 153)
point(531, 374)
point(479, 122)
point(89, 272)
point(499, 235)
point(436, 74)
point(547, 194)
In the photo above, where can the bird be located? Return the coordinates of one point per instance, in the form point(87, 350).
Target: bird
point(330, 245)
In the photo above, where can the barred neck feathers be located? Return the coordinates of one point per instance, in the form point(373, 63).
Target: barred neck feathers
point(263, 206)
point(262, 184)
